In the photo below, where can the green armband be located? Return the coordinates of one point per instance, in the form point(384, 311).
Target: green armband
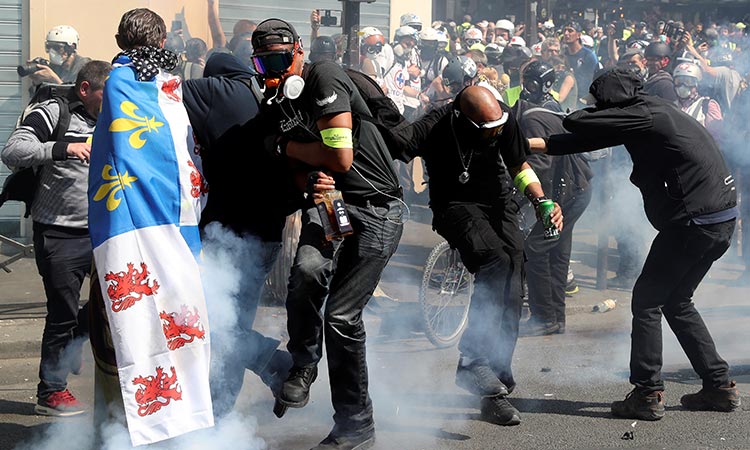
point(337, 137)
point(524, 179)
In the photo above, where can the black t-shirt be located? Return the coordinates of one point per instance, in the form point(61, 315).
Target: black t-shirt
point(329, 90)
point(489, 182)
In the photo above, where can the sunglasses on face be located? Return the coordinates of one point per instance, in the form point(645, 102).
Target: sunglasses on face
point(273, 62)
point(472, 41)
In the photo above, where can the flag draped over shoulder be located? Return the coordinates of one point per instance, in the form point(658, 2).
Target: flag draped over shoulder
point(144, 206)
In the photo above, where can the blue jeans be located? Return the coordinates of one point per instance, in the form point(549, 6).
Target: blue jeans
point(63, 258)
point(345, 272)
point(236, 346)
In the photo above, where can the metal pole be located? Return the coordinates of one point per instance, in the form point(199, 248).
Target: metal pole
point(602, 252)
point(350, 27)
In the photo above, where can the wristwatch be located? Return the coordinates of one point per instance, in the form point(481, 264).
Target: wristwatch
point(536, 201)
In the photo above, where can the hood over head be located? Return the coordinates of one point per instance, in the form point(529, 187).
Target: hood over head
point(615, 86)
point(228, 66)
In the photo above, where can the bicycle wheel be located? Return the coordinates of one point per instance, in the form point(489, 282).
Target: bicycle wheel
point(445, 295)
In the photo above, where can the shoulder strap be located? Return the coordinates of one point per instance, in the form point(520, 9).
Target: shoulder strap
point(63, 120)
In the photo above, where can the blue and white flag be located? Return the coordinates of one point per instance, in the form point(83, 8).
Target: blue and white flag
point(145, 194)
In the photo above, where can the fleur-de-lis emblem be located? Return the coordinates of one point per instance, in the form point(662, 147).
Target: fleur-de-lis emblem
point(138, 123)
point(110, 190)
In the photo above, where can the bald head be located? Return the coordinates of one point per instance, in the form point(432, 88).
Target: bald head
point(479, 105)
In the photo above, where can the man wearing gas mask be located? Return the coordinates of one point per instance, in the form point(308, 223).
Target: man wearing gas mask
point(64, 61)
point(467, 152)
point(316, 109)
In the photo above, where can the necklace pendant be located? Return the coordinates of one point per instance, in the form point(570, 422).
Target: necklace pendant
point(464, 177)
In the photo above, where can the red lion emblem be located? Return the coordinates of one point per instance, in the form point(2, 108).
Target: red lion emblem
point(181, 328)
point(169, 88)
point(129, 287)
point(196, 180)
point(156, 391)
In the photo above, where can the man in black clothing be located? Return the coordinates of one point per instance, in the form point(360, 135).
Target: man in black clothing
point(330, 281)
point(222, 109)
point(659, 82)
point(467, 153)
point(567, 179)
point(689, 197)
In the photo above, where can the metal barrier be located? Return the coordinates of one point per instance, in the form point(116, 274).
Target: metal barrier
point(26, 251)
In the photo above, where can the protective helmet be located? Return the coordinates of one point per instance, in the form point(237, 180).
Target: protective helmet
point(323, 44)
point(639, 44)
point(658, 50)
point(538, 77)
point(429, 34)
point(505, 24)
point(459, 70)
point(687, 69)
point(473, 33)
point(442, 38)
point(548, 25)
point(514, 56)
point(720, 56)
point(412, 20)
point(175, 43)
point(64, 34)
point(405, 31)
point(372, 36)
point(587, 41)
point(494, 53)
point(518, 41)
point(536, 49)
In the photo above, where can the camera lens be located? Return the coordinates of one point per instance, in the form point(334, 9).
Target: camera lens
point(27, 69)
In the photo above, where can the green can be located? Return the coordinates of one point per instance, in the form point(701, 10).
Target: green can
point(545, 211)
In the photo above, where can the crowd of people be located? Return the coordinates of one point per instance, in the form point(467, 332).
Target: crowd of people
point(500, 121)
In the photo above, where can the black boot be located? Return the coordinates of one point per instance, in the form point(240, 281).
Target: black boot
point(276, 371)
point(640, 406)
point(295, 392)
point(359, 441)
point(499, 411)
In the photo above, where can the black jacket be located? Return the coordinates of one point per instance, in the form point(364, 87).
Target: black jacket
point(661, 84)
point(238, 151)
point(676, 163)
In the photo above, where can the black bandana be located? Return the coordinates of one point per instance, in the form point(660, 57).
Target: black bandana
point(148, 61)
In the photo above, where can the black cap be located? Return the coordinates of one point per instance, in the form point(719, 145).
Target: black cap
point(274, 31)
point(574, 25)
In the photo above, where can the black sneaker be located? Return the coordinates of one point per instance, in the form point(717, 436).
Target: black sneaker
point(639, 406)
point(726, 399)
point(571, 288)
point(499, 411)
point(533, 327)
point(359, 441)
point(295, 392)
point(276, 371)
point(479, 379)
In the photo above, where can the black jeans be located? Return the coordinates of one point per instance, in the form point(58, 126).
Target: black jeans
point(678, 260)
point(235, 346)
point(63, 258)
point(490, 243)
point(345, 272)
point(548, 260)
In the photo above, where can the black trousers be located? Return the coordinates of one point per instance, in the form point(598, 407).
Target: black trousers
point(63, 258)
point(678, 260)
point(490, 243)
point(329, 286)
point(548, 260)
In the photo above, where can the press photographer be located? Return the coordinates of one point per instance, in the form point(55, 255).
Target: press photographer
point(64, 62)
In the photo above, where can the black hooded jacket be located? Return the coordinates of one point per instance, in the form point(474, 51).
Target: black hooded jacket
point(249, 189)
point(676, 163)
point(661, 84)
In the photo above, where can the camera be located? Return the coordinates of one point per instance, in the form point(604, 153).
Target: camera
point(673, 32)
point(327, 19)
point(31, 66)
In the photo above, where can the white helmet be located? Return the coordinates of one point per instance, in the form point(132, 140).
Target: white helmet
point(371, 36)
point(536, 49)
point(64, 34)
point(518, 41)
point(411, 19)
point(587, 41)
point(405, 31)
point(688, 69)
point(428, 34)
point(505, 24)
point(473, 33)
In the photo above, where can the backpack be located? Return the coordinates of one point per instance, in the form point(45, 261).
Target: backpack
point(383, 113)
point(21, 184)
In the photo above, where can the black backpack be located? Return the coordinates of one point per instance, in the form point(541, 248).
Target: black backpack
point(21, 184)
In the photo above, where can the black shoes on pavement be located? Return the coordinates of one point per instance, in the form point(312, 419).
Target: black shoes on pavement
point(359, 441)
point(499, 411)
point(533, 327)
point(276, 371)
point(725, 399)
point(639, 406)
point(479, 379)
point(295, 392)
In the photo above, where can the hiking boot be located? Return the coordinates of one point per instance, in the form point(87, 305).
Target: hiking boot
point(533, 327)
point(639, 406)
point(276, 371)
point(360, 441)
point(726, 399)
point(479, 379)
point(59, 404)
point(499, 411)
point(295, 392)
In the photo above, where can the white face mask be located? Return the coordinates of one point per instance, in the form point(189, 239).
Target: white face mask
point(55, 57)
point(683, 91)
point(401, 51)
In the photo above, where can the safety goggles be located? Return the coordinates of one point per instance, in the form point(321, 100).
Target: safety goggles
point(273, 62)
point(56, 46)
point(471, 42)
point(685, 81)
point(374, 49)
point(487, 130)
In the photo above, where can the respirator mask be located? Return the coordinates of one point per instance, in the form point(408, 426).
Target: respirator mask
point(274, 66)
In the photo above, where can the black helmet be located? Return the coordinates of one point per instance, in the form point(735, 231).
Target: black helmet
point(494, 53)
point(658, 50)
point(538, 77)
point(459, 71)
point(323, 48)
point(514, 57)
